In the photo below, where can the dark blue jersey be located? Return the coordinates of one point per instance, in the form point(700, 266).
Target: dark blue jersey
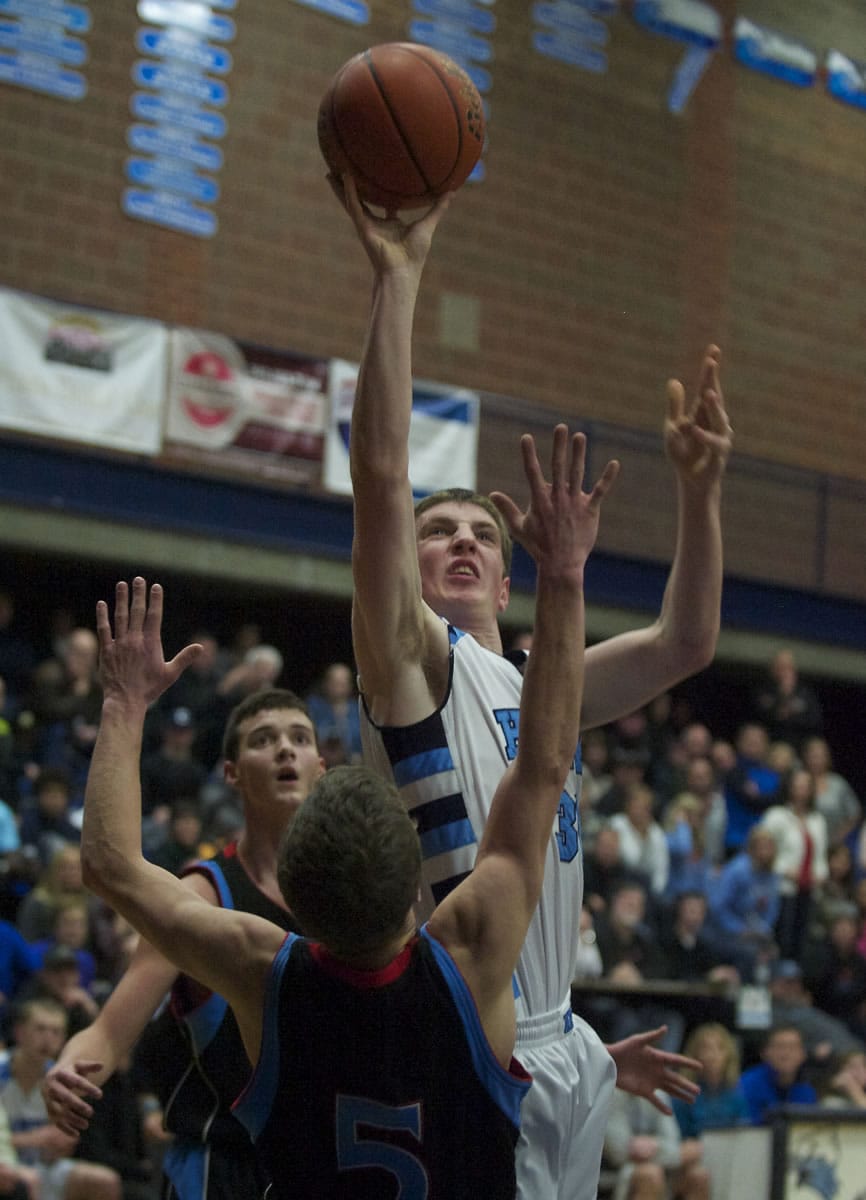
point(196, 1061)
point(374, 1084)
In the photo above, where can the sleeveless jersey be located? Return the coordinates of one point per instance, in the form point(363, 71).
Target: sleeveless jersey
point(382, 1082)
point(447, 768)
point(202, 1063)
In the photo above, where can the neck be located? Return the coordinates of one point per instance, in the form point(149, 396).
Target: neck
point(258, 855)
point(484, 629)
point(374, 960)
point(27, 1071)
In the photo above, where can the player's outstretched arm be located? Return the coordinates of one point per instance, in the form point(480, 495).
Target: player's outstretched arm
point(390, 625)
point(89, 1057)
point(229, 952)
point(627, 671)
point(484, 921)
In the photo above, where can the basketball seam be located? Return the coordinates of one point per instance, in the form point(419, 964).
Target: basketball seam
point(443, 78)
point(404, 136)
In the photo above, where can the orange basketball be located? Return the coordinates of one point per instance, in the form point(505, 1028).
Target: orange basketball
point(405, 121)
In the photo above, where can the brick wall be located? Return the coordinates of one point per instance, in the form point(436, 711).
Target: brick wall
point(608, 243)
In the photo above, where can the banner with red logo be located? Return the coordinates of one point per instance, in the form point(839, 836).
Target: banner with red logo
point(246, 410)
point(81, 375)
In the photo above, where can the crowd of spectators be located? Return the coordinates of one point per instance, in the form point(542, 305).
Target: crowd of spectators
point(737, 864)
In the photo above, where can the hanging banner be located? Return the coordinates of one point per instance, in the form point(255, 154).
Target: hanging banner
point(81, 375)
point(443, 434)
point(253, 412)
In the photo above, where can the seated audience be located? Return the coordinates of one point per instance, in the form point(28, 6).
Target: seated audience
point(745, 901)
point(701, 782)
point(691, 950)
point(800, 834)
point(333, 706)
point(652, 1158)
point(721, 1102)
point(171, 772)
point(39, 1033)
point(785, 704)
point(846, 1086)
point(835, 973)
point(630, 953)
point(690, 867)
point(642, 842)
point(777, 1079)
point(605, 871)
point(48, 822)
point(71, 929)
point(750, 787)
point(824, 1036)
point(59, 881)
point(59, 980)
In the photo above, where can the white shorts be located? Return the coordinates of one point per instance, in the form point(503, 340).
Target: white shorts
point(564, 1116)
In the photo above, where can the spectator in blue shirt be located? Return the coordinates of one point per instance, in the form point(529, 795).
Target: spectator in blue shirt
point(750, 788)
point(745, 901)
point(776, 1080)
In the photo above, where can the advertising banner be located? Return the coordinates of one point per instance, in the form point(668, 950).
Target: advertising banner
point(443, 434)
point(253, 412)
point(81, 375)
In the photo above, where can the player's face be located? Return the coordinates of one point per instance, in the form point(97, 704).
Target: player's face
point(277, 758)
point(460, 558)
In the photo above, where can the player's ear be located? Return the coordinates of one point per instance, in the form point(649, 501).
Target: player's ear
point(230, 772)
point(504, 594)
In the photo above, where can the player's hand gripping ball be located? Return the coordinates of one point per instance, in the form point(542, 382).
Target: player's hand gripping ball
point(405, 121)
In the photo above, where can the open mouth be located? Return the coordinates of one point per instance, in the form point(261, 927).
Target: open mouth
point(287, 776)
point(463, 570)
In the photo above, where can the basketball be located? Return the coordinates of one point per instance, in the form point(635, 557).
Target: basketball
point(405, 121)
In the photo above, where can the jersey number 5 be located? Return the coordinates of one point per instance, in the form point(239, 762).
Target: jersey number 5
point(354, 1151)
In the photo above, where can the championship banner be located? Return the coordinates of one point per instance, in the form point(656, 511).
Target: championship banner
point(249, 411)
point(443, 434)
point(81, 375)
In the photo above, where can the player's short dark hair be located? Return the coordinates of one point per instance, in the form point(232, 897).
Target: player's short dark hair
point(350, 862)
point(465, 496)
point(267, 698)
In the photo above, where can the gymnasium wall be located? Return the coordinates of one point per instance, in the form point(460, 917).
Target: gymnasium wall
point(608, 242)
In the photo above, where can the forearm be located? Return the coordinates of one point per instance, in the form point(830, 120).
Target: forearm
point(553, 681)
point(383, 402)
point(111, 832)
point(691, 609)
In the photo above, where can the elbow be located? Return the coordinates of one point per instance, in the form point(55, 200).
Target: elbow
point(101, 871)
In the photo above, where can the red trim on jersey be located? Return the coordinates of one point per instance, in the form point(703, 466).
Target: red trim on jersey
point(359, 977)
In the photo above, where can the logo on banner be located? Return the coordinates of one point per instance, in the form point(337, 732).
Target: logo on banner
point(209, 395)
point(78, 342)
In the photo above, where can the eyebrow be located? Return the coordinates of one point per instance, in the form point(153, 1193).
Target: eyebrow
point(484, 523)
point(272, 727)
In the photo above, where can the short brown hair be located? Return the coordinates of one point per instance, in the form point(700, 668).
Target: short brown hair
point(267, 698)
point(350, 862)
point(465, 496)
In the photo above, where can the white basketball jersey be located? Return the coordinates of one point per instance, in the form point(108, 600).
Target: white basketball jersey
point(447, 768)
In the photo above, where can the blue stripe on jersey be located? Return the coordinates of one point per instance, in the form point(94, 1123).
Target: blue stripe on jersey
point(185, 1165)
point(253, 1107)
point(422, 766)
point(214, 873)
point(445, 886)
point(447, 838)
point(203, 1022)
point(506, 1090)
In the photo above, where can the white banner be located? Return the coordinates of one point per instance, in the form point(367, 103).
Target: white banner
point(81, 375)
point(443, 434)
